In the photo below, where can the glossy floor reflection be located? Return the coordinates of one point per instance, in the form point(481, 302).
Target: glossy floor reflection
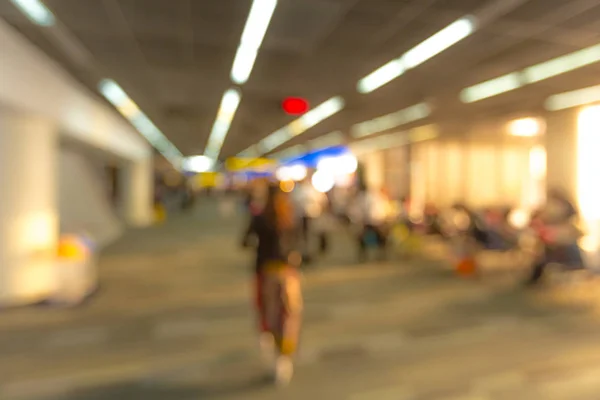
point(172, 321)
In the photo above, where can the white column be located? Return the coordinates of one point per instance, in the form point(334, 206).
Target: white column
point(572, 146)
point(28, 208)
point(137, 186)
point(561, 151)
point(374, 164)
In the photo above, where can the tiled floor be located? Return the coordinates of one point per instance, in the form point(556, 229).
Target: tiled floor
point(173, 321)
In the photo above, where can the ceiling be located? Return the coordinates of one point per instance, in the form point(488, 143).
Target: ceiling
point(174, 57)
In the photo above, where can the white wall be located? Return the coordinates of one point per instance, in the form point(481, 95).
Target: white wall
point(32, 83)
point(28, 209)
point(397, 177)
point(84, 204)
point(374, 167)
point(481, 174)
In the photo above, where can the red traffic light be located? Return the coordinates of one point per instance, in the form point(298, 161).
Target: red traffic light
point(295, 106)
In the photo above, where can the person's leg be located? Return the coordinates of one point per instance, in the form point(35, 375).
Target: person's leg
point(323, 243)
point(362, 244)
point(266, 338)
point(537, 272)
point(292, 302)
point(306, 253)
point(382, 239)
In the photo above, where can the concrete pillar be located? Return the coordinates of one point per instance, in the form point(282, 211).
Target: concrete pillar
point(374, 164)
point(573, 146)
point(561, 151)
point(28, 208)
point(397, 174)
point(137, 193)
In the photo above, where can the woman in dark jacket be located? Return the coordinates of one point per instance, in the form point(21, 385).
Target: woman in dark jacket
point(278, 293)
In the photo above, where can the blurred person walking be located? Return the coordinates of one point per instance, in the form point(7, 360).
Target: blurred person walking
point(371, 212)
point(556, 225)
point(309, 205)
point(278, 290)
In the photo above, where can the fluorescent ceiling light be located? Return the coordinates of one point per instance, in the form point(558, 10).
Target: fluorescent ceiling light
point(320, 113)
point(289, 152)
point(562, 64)
point(386, 141)
point(524, 127)
point(390, 121)
point(423, 133)
point(381, 76)
point(250, 152)
point(328, 140)
point(198, 164)
point(533, 74)
point(574, 98)
point(297, 127)
point(274, 140)
point(491, 88)
point(396, 139)
point(229, 104)
point(424, 51)
point(123, 103)
point(439, 42)
point(243, 64)
point(113, 92)
point(254, 32)
point(36, 11)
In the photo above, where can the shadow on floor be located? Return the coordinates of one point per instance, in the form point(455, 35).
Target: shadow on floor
point(518, 301)
point(158, 391)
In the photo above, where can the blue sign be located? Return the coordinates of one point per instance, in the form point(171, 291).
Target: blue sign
point(312, 158)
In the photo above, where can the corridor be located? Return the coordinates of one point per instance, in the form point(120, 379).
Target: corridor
point(172, 321)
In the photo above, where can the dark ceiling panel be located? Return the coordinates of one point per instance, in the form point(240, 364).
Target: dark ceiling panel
point(298, 25)
point(589, 18)
point(165, 52)
point(82, 15)
point(109, 48)
point(219, 23)
point(463, 6)
point(174, 57)
point(157, 17)
point(536, 9)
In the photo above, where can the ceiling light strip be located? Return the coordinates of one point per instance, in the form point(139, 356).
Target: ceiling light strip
point(36, 12)
point(296, 127)
point(229, 104)
point(331, 139)
point(289, 152)
point(574, 98)
point(419, 54)
point(491, 88)
point(253, 35)
point(533, 74)
point(439, 42)
point(127, 107)
point(255, 29)
point(250, 152)
point(381, 76)
point(561, 65)
point(396, 139)
point(390, 121)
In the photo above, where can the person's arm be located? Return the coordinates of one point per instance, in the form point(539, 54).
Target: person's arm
point(250, 231)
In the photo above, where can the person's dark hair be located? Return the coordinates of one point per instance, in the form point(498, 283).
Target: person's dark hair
point(278, 210)
point(561, 196)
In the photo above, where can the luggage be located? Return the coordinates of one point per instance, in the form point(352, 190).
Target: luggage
point(466, 267)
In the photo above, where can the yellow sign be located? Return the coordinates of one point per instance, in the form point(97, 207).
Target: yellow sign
point(254, 164)
point(208, 179)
